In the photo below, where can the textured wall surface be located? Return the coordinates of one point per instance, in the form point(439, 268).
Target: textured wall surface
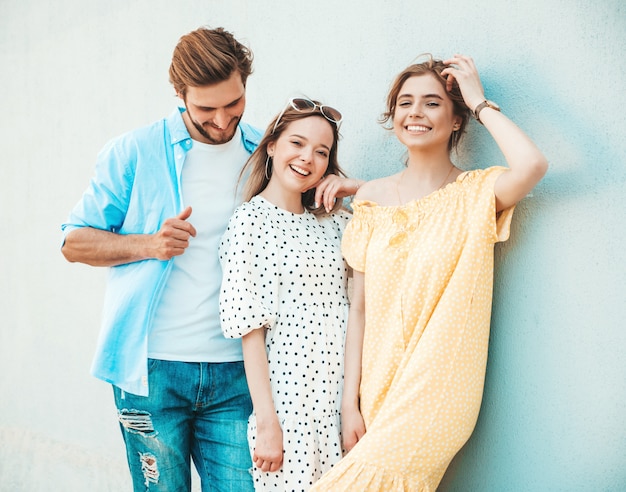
point(75, 74)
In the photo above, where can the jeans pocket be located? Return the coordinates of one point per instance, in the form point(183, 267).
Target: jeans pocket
point(152, 364)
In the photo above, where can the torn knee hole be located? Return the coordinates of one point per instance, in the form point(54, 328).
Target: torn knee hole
point(136, 421)
point(149, 468)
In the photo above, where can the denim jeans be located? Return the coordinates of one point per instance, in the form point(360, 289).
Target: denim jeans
point(197, 410)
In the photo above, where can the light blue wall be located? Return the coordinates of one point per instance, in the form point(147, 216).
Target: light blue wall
point(76, 73)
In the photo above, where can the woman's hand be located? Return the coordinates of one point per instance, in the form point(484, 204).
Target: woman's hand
point(332, 187)
point(268, 448)
point(352, 427)
point(462, 69)
point(527, 165)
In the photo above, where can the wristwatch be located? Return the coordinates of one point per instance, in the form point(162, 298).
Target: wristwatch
point(483, 105)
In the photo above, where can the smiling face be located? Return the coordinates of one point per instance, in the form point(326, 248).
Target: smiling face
point(300, 155)
point(213, 111)
point(424, 113)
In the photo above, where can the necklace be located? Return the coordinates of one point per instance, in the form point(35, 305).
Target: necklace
point(438, 187)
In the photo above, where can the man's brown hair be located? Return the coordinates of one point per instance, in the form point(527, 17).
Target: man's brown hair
point(206, 57)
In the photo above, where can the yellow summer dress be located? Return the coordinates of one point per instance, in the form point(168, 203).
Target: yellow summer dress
point(428, 286)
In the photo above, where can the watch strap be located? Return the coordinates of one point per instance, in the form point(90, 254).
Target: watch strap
point(482, 106)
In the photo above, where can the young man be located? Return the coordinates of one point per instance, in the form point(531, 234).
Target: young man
point(155, 211)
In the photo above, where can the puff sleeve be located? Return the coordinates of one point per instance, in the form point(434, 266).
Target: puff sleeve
point(356, 236)
point(500, 224)
point(249, 290)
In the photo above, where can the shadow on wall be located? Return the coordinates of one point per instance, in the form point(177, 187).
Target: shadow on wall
point(553, 396)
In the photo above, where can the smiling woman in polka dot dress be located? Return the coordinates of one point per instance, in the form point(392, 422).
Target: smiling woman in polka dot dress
point(421, 245)
point(284, 293)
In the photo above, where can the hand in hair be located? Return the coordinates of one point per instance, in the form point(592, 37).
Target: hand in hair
point(462, 69)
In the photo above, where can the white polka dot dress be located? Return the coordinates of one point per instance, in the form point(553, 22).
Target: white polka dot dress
point(286, 271)
point(428, 269)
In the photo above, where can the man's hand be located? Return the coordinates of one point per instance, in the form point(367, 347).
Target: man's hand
point(173, 237)
point(97, 247)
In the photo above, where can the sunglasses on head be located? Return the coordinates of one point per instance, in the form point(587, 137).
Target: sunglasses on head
point(304, 105)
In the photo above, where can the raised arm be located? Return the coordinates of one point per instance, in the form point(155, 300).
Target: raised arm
point(527, 165)
point(352, 425)
point(268, 449)
point(97, 247)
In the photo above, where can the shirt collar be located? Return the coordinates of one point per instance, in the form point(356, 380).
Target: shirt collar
point(176, 126)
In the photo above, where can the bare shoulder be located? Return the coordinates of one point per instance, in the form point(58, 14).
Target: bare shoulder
point(382, 191)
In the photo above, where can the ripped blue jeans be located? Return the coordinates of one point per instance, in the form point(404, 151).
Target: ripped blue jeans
point(194, 411)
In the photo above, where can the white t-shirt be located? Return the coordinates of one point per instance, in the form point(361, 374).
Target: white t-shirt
point(186, 326)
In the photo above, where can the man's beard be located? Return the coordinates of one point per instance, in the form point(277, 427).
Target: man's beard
point(224, 137)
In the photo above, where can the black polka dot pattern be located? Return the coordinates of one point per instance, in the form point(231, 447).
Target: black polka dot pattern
point(285, 271)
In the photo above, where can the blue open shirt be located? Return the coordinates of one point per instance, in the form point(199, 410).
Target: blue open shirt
point(134, 190)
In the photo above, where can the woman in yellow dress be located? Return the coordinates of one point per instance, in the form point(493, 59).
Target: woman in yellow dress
point(421, 246)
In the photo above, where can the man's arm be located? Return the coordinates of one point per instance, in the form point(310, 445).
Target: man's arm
point(97, 247)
